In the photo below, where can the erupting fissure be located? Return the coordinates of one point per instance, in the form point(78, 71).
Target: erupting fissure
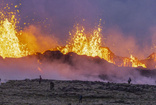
point(9, 42)
point(80, 43)
point(92, 46)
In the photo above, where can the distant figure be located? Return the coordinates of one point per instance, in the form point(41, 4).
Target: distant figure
point(129, 80)
point(80, 99)
point(51, 85)
point(0, 81)
point(40, 79)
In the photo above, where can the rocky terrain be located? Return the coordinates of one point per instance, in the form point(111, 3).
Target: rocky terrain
point(30, 92)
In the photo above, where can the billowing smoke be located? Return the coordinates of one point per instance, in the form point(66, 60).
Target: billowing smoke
point(70, 67)
point(124, 46)
point(129, 20)
point(128, 28)
point(36, 41)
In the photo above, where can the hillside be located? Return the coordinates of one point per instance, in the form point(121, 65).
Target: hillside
point(30, 92)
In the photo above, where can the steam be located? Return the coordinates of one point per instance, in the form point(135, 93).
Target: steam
point(124, 46)
point(36, 41)
point(127, 21)
point(80, 68)
point(133, 36)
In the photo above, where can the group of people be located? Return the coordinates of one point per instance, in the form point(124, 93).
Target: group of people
point(51, 83)
point(80, 97)
point(52, 87)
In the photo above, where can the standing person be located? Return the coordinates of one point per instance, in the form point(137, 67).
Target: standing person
point(40, 79)
point(51, 85)
point(0, 81)
point(80, 99)
point(129, 80)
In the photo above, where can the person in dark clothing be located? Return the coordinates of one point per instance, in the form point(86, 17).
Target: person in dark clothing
point(80, 99)
point(129, 80)
point(51, 85)
point(40, 79)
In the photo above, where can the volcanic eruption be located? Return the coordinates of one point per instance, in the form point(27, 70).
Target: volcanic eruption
point(9, 42)
point(82, 56)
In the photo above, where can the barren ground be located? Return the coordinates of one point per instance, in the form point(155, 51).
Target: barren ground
point(30, 92)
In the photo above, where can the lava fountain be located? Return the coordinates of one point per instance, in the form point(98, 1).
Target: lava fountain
point(9, 42)
point(20, 44)
point(91, 45)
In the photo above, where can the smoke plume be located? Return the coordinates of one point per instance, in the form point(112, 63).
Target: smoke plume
point(128, 28)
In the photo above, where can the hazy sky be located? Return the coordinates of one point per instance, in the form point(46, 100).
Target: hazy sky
point(133, 18)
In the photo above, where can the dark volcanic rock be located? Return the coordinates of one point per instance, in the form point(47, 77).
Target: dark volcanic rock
point(78, 62)
point(51, 55)
point(69, 58)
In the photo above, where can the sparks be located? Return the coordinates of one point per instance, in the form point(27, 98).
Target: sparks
point(92, 46)
point(9, 43)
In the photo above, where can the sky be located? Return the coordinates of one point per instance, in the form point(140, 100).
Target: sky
point(133, 19)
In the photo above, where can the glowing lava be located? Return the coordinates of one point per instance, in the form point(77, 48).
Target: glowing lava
point(81, 43)
point(9, 43)
point(92, 46)
point(133, 62)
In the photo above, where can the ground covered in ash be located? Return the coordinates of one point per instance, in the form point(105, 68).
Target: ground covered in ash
point(30, 92)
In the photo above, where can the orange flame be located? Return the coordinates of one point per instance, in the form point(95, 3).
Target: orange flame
point(81, 43)
point(133, 62)
point(136, 62)
point(9, 43)
point(91, 46)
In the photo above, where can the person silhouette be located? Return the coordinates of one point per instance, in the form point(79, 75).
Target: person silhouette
point(51, 85)
point(0, 81)
point(40, 79)
point(129, 80)
point(80, 99)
